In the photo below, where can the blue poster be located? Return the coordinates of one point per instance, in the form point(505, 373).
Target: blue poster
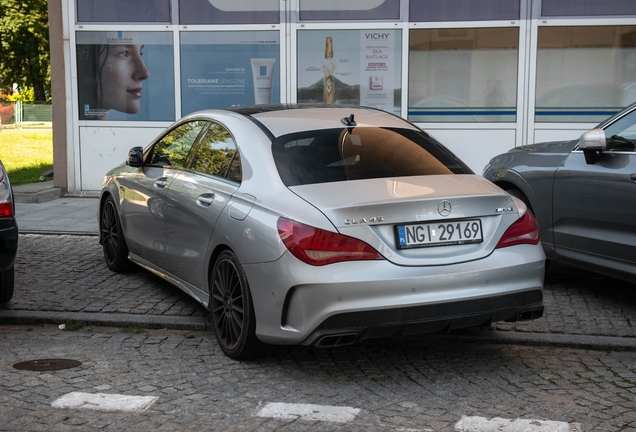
point(222, 69)
point(125, 76)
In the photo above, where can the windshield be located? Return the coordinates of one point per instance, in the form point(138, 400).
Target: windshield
point(332, 155)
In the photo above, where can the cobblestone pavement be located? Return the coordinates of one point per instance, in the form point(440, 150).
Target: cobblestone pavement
point(60, 277)
point(425, 385)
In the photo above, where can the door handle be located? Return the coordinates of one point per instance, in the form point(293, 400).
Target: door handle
point(632, 176)
point(206, 199)
point(161, 183)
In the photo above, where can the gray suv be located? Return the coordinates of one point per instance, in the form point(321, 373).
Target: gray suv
point(582, 193)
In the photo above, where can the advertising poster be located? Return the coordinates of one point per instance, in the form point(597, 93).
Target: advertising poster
point(350, 67)
point(125, 76)
point(222, 69)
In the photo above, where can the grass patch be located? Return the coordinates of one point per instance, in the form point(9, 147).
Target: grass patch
point(134, 329)
point(26, 154)
point(72, 325)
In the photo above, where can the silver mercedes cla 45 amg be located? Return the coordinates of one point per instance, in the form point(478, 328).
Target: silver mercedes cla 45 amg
point(320, 226)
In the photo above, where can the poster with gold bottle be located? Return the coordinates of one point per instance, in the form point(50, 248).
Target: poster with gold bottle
point(328, 68)
point(350, 67)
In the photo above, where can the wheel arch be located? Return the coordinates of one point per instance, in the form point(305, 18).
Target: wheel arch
point(218, 250)
point(540, 208)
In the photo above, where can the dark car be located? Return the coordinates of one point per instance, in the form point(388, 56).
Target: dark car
point(8, 237)
point(583, 194)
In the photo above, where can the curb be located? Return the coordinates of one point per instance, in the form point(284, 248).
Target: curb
point(37, 197)
point(59, 233)
point(104, 319)
point(596, 343)
point(556, 340)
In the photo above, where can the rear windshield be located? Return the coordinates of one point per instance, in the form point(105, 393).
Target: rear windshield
point(332, 155)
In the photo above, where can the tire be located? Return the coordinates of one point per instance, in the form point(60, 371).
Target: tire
point(7, 281)
point(232, 309)
point(113, 241)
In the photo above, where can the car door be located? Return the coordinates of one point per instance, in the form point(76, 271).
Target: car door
point(197, 198)
point(595, 203)
point(145, 192)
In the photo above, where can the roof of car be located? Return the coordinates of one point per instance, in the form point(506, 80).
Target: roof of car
point(283, 119)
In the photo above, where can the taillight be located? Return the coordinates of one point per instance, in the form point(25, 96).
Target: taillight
point(524, 231)
point(6, 200)
point(317, 247)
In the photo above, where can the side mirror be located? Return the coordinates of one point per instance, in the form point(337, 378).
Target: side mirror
point(593, 143)
point(135, 157)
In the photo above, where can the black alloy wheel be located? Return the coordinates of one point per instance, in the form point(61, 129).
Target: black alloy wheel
point(232, 309)
point(113, 242)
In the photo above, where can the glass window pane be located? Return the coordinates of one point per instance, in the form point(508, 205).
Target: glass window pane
point(587, 7)
point(350, 67)
point(235, 172)
point(123, 11)
point(173, 149)
point(329, 10)
point(463, 10)
point(125, 75)
point(463, 75)
point(229, 12)
point(584, 74)
point(214, 154)
point(221, 69)
point(332, 155)
point(625, 127)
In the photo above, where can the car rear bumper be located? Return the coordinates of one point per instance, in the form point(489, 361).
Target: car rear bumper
point(297, 303)
point(8, 242)
point(350, 327)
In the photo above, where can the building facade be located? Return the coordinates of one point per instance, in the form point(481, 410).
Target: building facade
point(482, 76)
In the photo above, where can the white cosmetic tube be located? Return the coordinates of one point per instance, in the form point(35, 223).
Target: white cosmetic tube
point(262, 73)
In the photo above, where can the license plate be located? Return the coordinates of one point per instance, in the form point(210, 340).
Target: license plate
point(439, 234)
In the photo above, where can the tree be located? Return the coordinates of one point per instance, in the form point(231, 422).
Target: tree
point(24, 45)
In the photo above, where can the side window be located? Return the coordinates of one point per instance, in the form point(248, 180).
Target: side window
point(235, 169)
point(174, 147)
point(217, 154)
point(621, 135)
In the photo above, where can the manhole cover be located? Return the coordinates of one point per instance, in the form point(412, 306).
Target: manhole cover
point(47, 364)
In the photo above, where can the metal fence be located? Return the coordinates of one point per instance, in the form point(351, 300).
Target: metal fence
point(29, 115)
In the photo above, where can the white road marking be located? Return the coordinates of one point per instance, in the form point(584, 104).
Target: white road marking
point(104, 402)
point(481, 424)
point(308, 412)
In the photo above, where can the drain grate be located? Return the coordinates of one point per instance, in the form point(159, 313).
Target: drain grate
point(47, 364)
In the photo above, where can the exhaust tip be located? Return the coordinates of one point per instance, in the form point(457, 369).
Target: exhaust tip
point(530, 314)
point(337, 340)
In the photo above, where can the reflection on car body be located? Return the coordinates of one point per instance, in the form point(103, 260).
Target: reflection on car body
point(583, 194)
point(283, 221)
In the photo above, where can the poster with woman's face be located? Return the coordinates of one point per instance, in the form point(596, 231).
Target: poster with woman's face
point(125, 76)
